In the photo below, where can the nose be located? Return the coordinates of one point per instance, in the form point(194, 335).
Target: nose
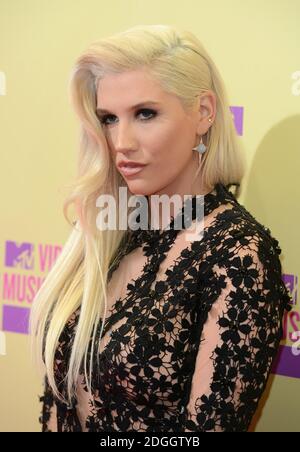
point(124, 139)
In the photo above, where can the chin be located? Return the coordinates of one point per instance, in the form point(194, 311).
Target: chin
point(138, 188)
point(137, 192)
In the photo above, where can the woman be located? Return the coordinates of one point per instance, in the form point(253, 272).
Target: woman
point(148, 330)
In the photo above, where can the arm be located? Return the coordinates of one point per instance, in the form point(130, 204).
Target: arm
point(239, 340)
point(48, 418)
point(56, 416)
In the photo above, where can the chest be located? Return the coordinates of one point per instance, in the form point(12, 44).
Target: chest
point(161, 308)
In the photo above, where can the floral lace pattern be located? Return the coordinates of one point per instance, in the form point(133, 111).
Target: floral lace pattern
point(192, 352)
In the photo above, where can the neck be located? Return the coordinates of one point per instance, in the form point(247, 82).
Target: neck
point(161, 208)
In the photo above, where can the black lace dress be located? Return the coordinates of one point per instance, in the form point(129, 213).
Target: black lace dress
point(192, 351)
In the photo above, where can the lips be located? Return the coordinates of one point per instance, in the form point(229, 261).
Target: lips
point(130, 168)
point(122, 165)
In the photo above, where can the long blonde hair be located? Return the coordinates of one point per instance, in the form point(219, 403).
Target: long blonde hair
point(79, 277)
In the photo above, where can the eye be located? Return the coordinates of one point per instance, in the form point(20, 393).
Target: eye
point(153, 113)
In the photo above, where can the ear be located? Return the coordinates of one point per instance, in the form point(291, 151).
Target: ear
point(206, 109)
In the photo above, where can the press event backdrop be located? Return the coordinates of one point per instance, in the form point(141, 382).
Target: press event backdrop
point(256, 47)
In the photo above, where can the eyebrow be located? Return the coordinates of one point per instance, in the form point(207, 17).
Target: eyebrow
point(146, 102)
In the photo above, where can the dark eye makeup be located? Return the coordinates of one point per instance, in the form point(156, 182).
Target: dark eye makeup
point(153, 113)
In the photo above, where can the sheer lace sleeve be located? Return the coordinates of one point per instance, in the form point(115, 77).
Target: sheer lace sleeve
point(241, 333)
point(58, 416)
point(48, 418)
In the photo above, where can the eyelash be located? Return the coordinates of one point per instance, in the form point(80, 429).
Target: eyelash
point(153, 113)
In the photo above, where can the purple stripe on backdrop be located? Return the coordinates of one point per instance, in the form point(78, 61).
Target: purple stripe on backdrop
point(15, 319)
point(286, 364)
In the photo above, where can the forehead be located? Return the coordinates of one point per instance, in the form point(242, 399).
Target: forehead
point(130, 87)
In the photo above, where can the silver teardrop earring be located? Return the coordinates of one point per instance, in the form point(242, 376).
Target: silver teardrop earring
point(201, 148)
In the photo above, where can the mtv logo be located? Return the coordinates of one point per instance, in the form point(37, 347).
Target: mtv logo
point(19, 255)
point(291, 282)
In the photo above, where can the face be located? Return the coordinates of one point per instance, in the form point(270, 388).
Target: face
point(159, 133)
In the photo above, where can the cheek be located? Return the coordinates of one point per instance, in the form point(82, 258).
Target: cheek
point(172, 137)
point(172, 150)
